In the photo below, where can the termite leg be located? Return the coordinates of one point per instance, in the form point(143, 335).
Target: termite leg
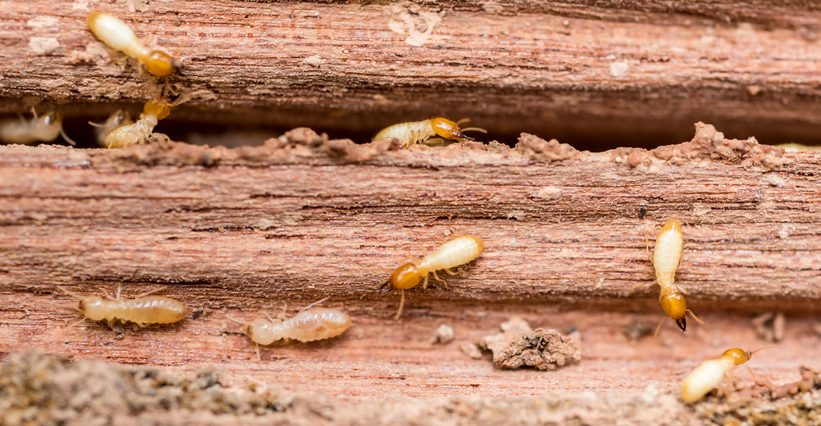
point(698, 320)
point(34, 113)
point(647, 245)
point(642, 287)
point(74, 295)
point(658, 327)
point(401, 305)
point(259, 357)
point(435, 276)
point(451, 272)
point(119, 290)
point(425, 283)
point(269, 317)
point(435, 141)
point(235, 320)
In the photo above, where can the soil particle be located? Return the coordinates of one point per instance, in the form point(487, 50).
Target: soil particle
point(710, 144)
point(471, 350)
point(442, 335)
point(538, 149)
point(45, 389)
point(519, 346)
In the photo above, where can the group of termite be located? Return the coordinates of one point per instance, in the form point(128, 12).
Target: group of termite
point(120, 130)
point(314, 323)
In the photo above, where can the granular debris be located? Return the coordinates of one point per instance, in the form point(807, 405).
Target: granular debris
point(761, 403)
point(538, 149)
point(519, 346)
point(442, 335)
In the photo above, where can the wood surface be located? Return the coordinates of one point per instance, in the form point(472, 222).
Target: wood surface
point(245, 230)
point(595, 74)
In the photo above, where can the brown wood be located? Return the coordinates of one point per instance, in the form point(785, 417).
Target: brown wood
point(595, 73)
point(240, 231)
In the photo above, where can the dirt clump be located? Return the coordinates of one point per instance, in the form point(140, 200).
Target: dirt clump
point(764, 403)
point(770, 326)
point(442, 335)
point(520, 346)
point(48, 389)
point(538, 149)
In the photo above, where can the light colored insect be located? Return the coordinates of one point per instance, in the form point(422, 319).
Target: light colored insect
point(453, 253)
point(797, 147)
point(708, 374)
point(666, 260)
point(43, 128)
point(308, 325)
point(117, 119)
point(433, 130)
point(118, 35)
point(138, 132)
point(142, 310)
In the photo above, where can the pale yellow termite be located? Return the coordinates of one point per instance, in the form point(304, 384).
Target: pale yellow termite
point(142, 310)
point(666, 260)
point(117, 119)
point(455, 252)
point(43, 128)
point(138, 132)
point(414, 132)
point(797, 147)
point(308, 325)
point(117, 35)
point(708, 374)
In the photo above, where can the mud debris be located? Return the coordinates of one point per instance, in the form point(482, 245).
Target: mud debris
point(442, 335)
point(538, 149)
point(520, 346)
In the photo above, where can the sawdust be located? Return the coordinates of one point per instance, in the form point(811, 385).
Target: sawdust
point(519, 346)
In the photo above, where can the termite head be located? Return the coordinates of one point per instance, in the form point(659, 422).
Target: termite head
point(159, 63)
point(405, 277)
point(673, 304)
point(158, 108)
point(93, 308)
point(260, 331)
point(48, 126)
point(739, 356)
point(450, 130)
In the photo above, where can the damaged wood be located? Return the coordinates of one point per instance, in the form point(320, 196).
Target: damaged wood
point(616, 72)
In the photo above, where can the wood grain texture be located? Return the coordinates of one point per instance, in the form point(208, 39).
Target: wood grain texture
point(613, 72)
point(239, 231)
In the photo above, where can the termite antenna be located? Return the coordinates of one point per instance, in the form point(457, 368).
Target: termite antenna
point(314, 304)
point(462, 121)
point(698, 320)
point(382, 287)
point(74, 295)
point(751, 353)
point(658, 327)
point(97, 125)
point(474, 129)
point(65, 136)
point(156, 290)
point(229, 317)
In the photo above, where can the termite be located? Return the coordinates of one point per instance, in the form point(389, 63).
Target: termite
point(119, 36)
point(43, 128)
point(453, 253)
point(708, 374)
point(138, 132)
point(117, 119)
point(414, 132)
point(666, 260)
point(142, 310)
point(308, 325)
